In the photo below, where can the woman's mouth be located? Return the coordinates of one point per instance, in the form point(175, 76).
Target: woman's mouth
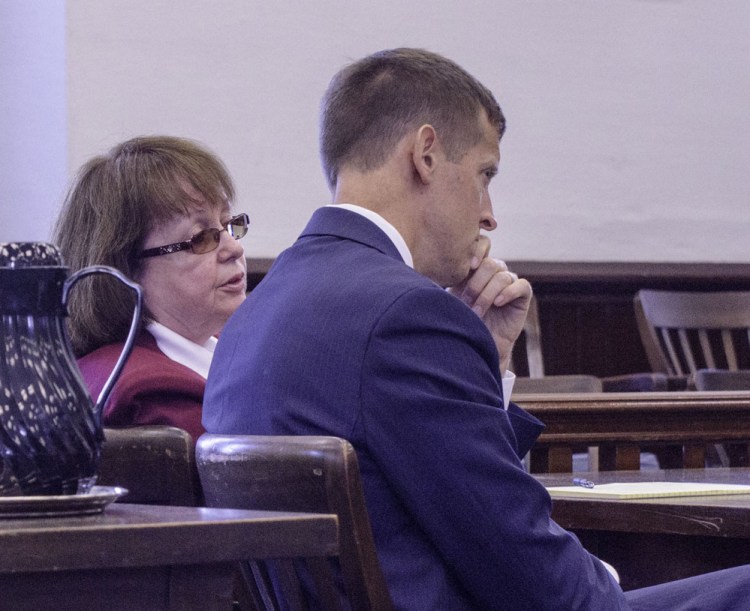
point(235, 281)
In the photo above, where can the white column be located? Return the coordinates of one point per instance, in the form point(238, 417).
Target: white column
point(33, 117)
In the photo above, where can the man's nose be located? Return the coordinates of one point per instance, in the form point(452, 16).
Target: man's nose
point(488, 221)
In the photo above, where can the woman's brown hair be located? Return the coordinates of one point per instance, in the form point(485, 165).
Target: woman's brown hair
point(113, 203)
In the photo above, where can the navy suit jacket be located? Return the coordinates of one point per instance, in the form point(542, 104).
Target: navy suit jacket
point(342, 338)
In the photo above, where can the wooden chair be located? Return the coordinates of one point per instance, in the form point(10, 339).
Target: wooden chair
point(528, 352)
point(528, 348)
point(307, 474)
point(686, 331)
point(735, 455)
point(155, 463)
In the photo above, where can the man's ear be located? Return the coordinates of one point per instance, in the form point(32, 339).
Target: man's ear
point(424, 153)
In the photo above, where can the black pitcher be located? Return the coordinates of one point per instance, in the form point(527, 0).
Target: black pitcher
point(50, 430)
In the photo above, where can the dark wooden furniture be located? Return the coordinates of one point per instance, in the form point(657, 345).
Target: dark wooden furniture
point(156, 464)
point(621, 424)
point(586, 311)
point(528, 357)
point(147, 557)
point(256, 271)
point(586, 308)
point(527, 353)
point(655, 540)
point(304, 473)
point(686, 331)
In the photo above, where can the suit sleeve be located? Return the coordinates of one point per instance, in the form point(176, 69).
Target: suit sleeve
point(434, 423)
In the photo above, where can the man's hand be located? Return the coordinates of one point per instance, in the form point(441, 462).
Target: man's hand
point(498, 297)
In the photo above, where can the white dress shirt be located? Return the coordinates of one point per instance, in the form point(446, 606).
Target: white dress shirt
point(180, 349)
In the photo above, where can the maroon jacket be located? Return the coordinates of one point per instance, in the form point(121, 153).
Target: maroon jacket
point(152, 388)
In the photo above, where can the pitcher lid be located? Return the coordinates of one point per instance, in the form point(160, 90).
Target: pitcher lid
point(29, 254)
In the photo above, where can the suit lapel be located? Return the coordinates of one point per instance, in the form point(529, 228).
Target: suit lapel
point(348, 225)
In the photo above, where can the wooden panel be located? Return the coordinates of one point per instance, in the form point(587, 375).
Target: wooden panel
point(586, 308)
point(256, 269)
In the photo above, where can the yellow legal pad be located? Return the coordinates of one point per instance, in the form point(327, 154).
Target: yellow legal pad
point(645, 490)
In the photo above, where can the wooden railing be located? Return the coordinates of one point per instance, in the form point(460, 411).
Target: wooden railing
point(677, 426)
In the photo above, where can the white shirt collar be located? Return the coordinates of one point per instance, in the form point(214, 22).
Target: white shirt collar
point(388, 229)
point(182, 350)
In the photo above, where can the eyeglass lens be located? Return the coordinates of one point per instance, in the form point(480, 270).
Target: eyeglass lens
point(237, 226)
point(205, 241)
point(208, 239)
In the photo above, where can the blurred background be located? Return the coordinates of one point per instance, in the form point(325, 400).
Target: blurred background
point(628, 135)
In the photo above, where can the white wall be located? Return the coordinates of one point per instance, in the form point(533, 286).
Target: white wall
point(33, 122)
point(628, 119)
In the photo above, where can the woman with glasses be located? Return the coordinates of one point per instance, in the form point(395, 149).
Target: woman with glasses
point(159, 210)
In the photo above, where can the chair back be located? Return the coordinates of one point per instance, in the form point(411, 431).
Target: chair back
point(155, 463)
point(686, 331)
point(306, 474)
point(528, 349)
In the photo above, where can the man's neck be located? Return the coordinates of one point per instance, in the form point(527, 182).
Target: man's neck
point(376, 191)
point(393, 234)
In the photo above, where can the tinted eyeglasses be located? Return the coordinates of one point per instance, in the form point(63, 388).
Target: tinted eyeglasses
point(204, 241)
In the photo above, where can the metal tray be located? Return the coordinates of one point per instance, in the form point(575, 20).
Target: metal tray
point(91, 502)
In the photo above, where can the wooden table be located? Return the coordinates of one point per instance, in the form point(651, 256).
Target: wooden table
point(660, 539)
point(622, 424)
point(147, 557)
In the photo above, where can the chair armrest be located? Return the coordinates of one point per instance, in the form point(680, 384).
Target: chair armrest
point(635, 382)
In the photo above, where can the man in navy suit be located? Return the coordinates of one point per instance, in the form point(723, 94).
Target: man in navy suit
point(352, 333)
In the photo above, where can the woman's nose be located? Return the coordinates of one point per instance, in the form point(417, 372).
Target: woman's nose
point(230, 247)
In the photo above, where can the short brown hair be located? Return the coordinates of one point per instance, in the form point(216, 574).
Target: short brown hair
point(371, 104)
point(113, 203)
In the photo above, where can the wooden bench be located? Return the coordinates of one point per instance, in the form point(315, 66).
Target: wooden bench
point(621, 425)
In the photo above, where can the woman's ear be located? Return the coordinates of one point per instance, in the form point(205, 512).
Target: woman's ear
point(424, 153)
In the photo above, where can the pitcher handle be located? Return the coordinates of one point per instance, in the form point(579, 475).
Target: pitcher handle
point(134, 325)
